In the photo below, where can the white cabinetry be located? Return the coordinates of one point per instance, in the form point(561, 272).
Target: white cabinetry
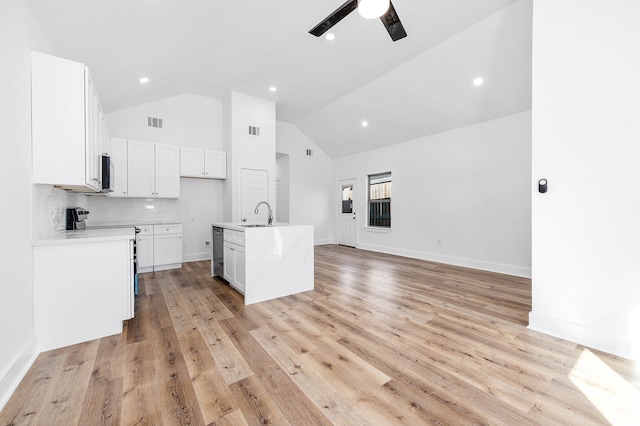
point(69, 132)
point(159, 247)
point(82, 291)
point(167, 246)
point(234, 259)
point(144, 247)
point(203, 163)
point(153, 170)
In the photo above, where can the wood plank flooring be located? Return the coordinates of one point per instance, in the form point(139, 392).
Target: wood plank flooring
point(382, 340)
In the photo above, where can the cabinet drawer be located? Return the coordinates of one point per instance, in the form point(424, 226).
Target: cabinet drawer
point(145, 230)
point(236, 237)
point(167, 229)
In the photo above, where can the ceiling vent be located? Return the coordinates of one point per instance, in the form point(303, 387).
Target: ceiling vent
point(154, 122)
point(254, 131)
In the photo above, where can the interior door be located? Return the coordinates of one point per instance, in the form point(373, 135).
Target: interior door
point(255, 188)
point(347, 208)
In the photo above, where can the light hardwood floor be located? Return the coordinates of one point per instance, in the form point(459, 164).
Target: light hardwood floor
point(381, 340)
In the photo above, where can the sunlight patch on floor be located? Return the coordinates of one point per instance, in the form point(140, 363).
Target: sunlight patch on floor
point(614, 397)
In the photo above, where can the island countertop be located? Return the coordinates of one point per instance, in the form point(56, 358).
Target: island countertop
point(242, 226)
point(268, 262)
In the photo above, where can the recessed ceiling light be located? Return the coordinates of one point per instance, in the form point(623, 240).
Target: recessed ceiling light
point(365, 124)
point(330, 36)
point(478, 81)
point(144, 80)
point(273, 88)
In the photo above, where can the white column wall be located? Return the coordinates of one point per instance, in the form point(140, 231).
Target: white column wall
point(586, 142)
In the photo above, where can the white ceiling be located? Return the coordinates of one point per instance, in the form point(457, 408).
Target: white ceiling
point(414, 87)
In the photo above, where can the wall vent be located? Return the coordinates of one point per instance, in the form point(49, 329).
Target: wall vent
point(309, 152)
point(255, 131)
point(154, 122)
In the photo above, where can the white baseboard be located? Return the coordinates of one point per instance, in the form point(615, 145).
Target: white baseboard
point(194, 257)
point(449, 260)
point(323, 242)
point(582, 335)
point(16, 372)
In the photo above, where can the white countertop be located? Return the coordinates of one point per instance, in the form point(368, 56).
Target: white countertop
point(95, 225)
point(241, 226)
point(86, 236)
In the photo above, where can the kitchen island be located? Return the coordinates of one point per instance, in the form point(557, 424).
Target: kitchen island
point(267, 262)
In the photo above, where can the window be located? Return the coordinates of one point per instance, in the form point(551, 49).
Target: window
point(380, 200)
point(347, 199)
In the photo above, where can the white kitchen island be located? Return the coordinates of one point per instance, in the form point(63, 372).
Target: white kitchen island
point(267, 262)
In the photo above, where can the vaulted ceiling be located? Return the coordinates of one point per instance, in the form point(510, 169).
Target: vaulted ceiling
point(417, 86)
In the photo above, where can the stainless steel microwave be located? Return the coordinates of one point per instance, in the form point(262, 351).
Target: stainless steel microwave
point(107, 174)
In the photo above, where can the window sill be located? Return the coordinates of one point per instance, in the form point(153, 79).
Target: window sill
point(377, 229)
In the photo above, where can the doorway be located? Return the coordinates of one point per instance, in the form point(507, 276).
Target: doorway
point(347, 209)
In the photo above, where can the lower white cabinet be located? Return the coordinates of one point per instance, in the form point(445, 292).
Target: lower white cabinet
point(234, 259)
point(82, 291)
point(159, 247)
point(167, 246)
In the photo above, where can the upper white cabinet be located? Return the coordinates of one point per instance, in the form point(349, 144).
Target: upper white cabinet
point(203, 163)
point(118, 153)
point(69, 132)
point(153, 170)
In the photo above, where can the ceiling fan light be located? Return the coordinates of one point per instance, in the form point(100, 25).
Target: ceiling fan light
point(372, 9)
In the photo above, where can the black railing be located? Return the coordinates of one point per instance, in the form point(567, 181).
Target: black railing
point(380, 213)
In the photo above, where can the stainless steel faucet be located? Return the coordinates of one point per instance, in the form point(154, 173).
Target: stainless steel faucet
point(270, 221)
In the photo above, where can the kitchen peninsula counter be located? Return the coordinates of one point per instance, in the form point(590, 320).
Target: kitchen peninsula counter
point(268, 261)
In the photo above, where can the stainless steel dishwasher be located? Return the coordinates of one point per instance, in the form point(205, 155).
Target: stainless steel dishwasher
point(217, 257)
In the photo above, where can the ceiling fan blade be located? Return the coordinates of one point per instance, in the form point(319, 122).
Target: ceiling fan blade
point(392, 23)
point(334, 18)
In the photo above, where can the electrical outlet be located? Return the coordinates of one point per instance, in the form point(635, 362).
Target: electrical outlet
point(206, 243)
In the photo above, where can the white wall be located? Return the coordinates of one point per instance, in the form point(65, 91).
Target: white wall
point(586, 142)
point(247, 151)
point(19, 33)
point(188, 120)
point(310, 182)
point(468, 188)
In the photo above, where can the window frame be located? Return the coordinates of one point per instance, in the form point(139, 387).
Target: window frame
point(381, 221)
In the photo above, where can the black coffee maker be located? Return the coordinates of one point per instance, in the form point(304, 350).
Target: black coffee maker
point(76, 217)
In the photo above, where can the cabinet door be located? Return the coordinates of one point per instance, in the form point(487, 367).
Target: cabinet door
point(58, 121)
point(240, 269)
point(215, 164)
point(191, 162)
point(93, 135)
point(140, 169)
point(229, 265)
point(144, 250)
point(119, 161)
point(167, 166)
point(167, 249)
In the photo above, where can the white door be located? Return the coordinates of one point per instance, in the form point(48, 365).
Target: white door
point(347, 218)
point(254, 188)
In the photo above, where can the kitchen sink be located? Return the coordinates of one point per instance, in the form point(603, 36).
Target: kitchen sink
point(254, 225)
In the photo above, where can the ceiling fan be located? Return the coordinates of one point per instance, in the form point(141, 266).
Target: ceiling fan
point(381, 8)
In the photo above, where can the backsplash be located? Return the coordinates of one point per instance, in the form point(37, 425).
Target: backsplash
point(49, 208)
point(105, 210)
